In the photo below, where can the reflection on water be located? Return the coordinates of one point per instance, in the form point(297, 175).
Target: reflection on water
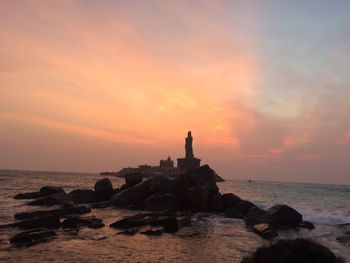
point(211, 238)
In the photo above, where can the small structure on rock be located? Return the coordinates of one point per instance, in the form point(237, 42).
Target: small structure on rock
point(189, 162)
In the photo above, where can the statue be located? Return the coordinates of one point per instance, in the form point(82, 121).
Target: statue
point(188, 146)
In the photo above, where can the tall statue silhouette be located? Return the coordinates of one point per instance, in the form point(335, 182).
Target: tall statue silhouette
point(188, 146)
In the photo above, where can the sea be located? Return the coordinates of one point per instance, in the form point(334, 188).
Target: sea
point(210, 238)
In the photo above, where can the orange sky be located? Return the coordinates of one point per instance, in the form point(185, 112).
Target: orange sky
point(90, 86)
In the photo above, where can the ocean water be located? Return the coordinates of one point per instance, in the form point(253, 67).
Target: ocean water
point(211, 238)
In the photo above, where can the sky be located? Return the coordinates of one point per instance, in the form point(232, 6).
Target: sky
point(264, 86)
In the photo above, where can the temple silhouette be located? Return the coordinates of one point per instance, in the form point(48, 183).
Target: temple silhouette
point(166, 166)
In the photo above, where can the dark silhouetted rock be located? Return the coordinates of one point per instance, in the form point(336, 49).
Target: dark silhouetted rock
point(140, 192)
point(215, 203)
point(83, 196)
point(31, 195)
point(219, 178)
point(152, 232)
point(56, 212)
point(284, 215)
point(198, 198)
point(49, 190)
point(230, 200)
point(50, 200)
point(307, 225)
point(159, 202)
point(73, 222)
point(256, 216)
point(169, 223)
point(52, 222)
point(243, 206)
point(129, 232)
point(132, 179)
point(234, 213)
point(293, 251)
point(32, 237)
point(104, 189)
point(264, 230)
point(344, 239)
point(132, 221)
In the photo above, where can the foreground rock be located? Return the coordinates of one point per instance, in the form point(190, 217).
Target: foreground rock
point(51, 222)
point(293, 251)
point(103, 189)
point(283, 215)
point(76, 222)
point(264, 230)
point(32, 237)
point(44, 191)
point(83, 196)
point(50, 200)
point(55, 212)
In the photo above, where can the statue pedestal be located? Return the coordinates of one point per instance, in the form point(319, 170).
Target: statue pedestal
point(184, 164)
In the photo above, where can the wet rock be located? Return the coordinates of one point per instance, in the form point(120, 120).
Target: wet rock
point(49, 190)
point(32, 237)
point(234, 213)
point(344, 239)
point(289, 251)
point(83, 196)
point(140, 192)
point(56, 212)
point(307, 225)
point(243, 206)
point(129, 232)
point(74, 222)
point(50, 200)
point(264, 230)
point(51, 222)
point(284, 215)
point(152, 232)
point(215, 203)
point(256, 216)
point(132, 221)
point(169, 223)
point(103, 189)
point(229, 200)
point(31, 195)
point(198, 198)
point(132, 179)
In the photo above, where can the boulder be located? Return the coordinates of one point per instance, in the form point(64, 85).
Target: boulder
point(229, 200)
point(51, 222)
point(133, 178)
point(234, 213)
point(32, 237)
point(50, 200)
point(152, 232)
point(256, 215)
point(264, 230)
point(243, 206)
point(74, 222)
point(198, 198)
point(307, 225)
point(215, 203)
point(168, 222)
point(31, 195)
point(159, 202)
point(56, 212)
point(284, 215)
point(132, 221)
point(49, 190)
point(83, 196)
point(289, 251)
point(129, 232)
point(139, 193)
point(104, 189)
point(219, 178)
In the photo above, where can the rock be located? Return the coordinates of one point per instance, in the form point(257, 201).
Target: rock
point(218, 178)
point(56, 212)
point(132, 179)
point(344, 239)
point(132, 221)
point(215, 203)
point(83, 196)
point(104, 189)
point(73, 222)
point(234, 213)
point(159, 202)
point(243, 206)
point(201, 176)
point(52, 222)
point(31, 195)
point(169, 223)
point(32, 237)
point(198, 198)
point(264, 230)
point(139, 193)
point(284, 215)
point(229, 200)
point(289, 251)
point(152, 232)
point(307, 225)
point(50, 200)
point(256, 216)
point(49, 190)
point(129, 232)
